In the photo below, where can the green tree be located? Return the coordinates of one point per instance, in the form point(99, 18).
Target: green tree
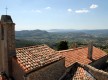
point(62, 45)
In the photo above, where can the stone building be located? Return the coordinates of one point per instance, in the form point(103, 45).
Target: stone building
point(37, 63)
point(7, 44)
point(41, 62)
point(85, 55)
point(84, 72)
point(85, 63)
point(28, 63)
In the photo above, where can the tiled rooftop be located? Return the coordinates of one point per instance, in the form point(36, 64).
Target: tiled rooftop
point(77, 72)
point(80, 55)
point(82, 74)
point(33, 57)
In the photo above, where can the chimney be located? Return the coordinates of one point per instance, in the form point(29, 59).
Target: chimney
point(90, 50)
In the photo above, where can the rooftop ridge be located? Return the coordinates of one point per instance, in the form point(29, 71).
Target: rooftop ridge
point(72, 49)
point(97, 70)
point(80, 71)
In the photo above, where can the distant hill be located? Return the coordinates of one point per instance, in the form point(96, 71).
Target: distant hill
point(60, 34)
point(96, 33)
point(31, 33)
point(41, 34)
point(52, 37)
point(61, 30)
point(32, 37)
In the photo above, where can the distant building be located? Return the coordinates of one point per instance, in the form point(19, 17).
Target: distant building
point(41, 62)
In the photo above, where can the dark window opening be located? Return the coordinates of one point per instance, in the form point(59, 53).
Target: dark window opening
point(2, 33)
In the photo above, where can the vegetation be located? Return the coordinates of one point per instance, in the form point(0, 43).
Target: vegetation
point(63, 45)
point(80, 37)
point(25, 43)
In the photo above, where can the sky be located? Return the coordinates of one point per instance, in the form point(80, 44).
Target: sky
point(57, 14)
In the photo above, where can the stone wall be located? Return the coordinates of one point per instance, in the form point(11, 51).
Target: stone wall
point(7, 43)
point(18, 73)
point(10, 27)
point(3, 50)
point(51, 72)
point(1, 61)
point(69, 73)
point(101, 63)
point(98, 74)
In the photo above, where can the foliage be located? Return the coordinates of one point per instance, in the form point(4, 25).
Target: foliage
point(25, 43)
point(63, 45)
point(82, 38)
point(106, 50)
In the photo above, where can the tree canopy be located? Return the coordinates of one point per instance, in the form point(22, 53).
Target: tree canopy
point(62, 45)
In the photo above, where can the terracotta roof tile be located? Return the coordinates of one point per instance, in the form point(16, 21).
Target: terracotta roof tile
point(82, 74)
point(80, 55)
point(36, 56)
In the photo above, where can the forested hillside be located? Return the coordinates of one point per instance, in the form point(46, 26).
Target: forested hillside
point(52, 38)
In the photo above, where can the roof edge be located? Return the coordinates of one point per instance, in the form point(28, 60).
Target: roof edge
point(72, 49)
point(33, 70)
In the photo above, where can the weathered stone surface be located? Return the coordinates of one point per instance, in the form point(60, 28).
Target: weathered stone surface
point(51, 72)
point(98, 74)
point(7, 43)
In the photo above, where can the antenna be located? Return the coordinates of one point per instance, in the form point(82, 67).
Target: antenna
point(6, 10)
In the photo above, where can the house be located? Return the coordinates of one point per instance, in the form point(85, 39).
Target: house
point(84, 72)
point(85, 55)
point(37, 63)
point(85, 63)
point(43, 63)
point(28, 63)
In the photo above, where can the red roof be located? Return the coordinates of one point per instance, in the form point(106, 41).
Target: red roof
point(33, 57)
point(82, 74)
point(80, 55)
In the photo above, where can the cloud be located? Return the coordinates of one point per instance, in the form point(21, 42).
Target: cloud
point(69, 10)
point(48, 8)
point(37, 11)
point(93, 6)
point(82, 11)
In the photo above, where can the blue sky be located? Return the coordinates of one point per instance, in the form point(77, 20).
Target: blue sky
point(57, 14)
